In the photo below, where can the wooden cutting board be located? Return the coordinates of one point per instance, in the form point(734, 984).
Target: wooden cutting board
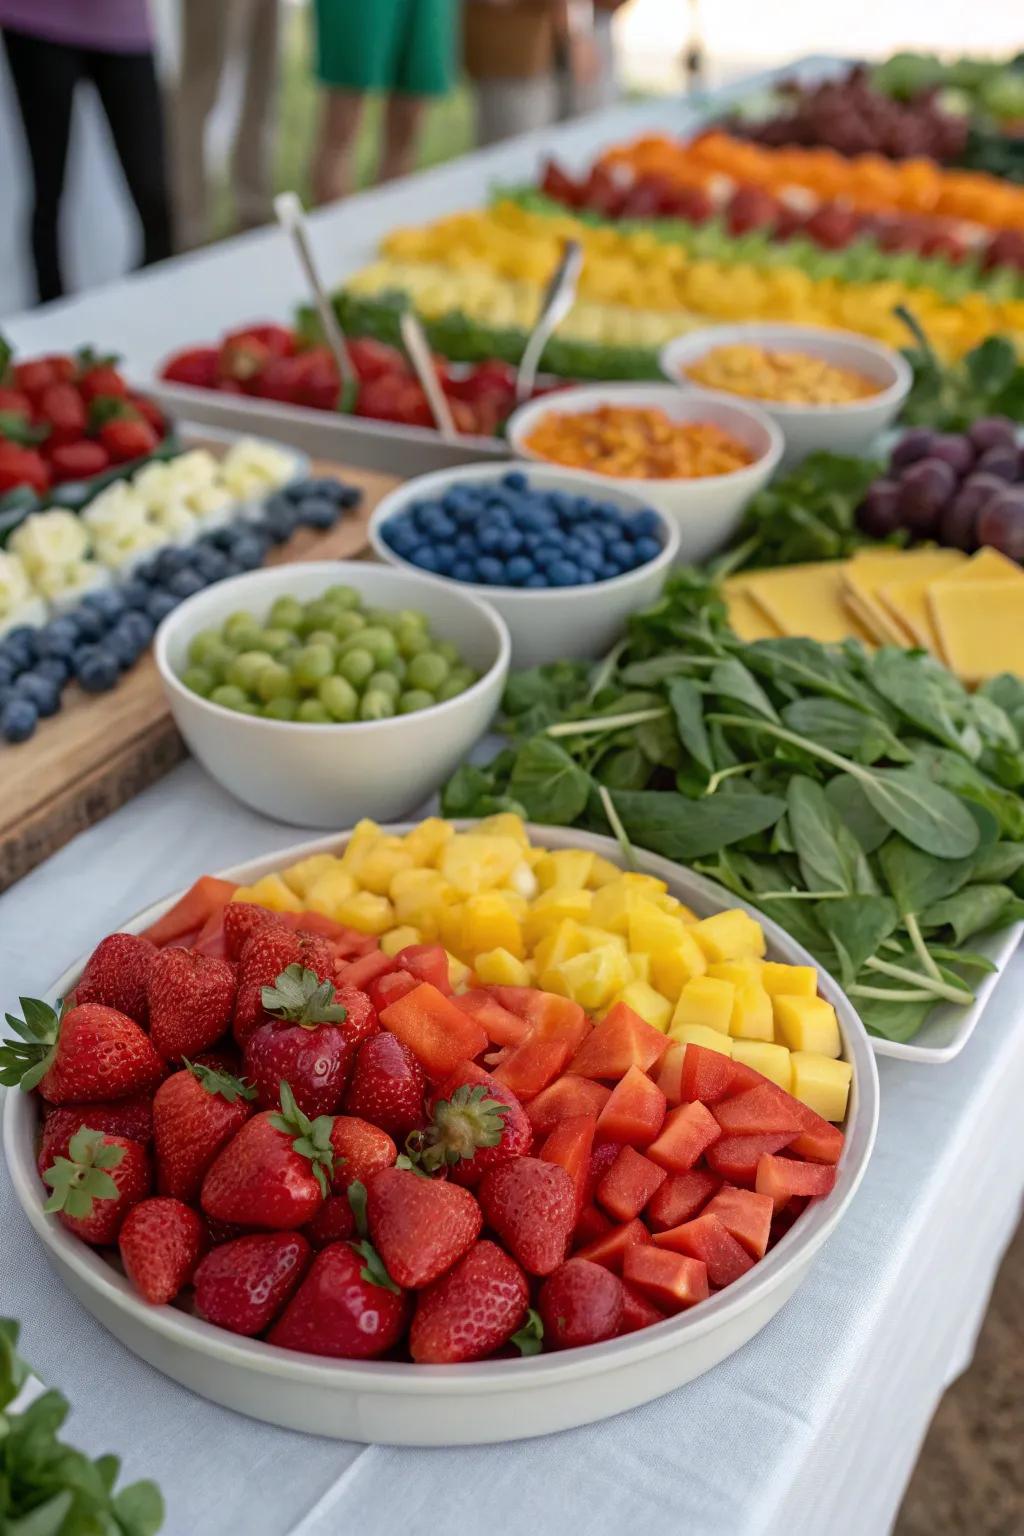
point(103, 749)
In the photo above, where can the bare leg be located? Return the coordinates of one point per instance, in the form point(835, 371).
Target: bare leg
point(253, 150)
point(403, 123)
point(334, 155)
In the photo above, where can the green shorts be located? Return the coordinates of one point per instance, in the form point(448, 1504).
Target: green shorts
point(387, 45)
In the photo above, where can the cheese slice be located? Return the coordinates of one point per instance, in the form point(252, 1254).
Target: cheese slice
point(867, 573)
point(803, 600)
point(980, 627)
point(746, 619)
point(906, 600)
point(987, 565)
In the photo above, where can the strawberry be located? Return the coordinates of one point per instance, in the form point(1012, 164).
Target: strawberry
point(360, 1149)
point(195, 1113)
point(97, 1184)
point(531, 1205)
point(77, 461)
point(347, 1306)
point(195, 366)
point(303, 1042)
point(241, 920)
point(361, 1016)
point(264, 955)
point(80, 1056)
point(98, 377)
point(160, 1242)
point(580, 1303)
point(13, 402)
point(132, 1118)
point(126, 438)
point(22, 466)
point(116, 974)
point(62, 409)
point(333, 1222)
point(191, 1001)
point(472, 1310)
point(38, 373)
point(419, 1227)
point(274, 1172)
point(242, 1285)
point(386, 1086)
point(475, 1124)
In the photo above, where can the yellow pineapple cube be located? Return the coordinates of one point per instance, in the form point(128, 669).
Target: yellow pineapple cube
point(551, 908)
point(489, 921)
point(602, 872)
point(699, 1034)
point(772, 1061)
point(399, 938)
point(729, 936)
point(640, 965)
point(365, 912)
point(676, 964)
point(499, 968)
point(751, 1013)
point(560, 944)
point(792, 980)
point(474, 862)
point(449, 927)
point(334, 886)
point(612, 905)
point(365, 834)
point(386, 859)
point(592, 979)
point(807, 1024)
point(600, 938)
point(669, 903)
point(821, 1083)
point(649, 885)
point(419, 897)
point(651, 929)
point(504, 824)
point(650, 1005)
point(301, 876)
point(569, 867)
point(739, 972)
point(272, 893)
point(459, 973)
point(425, 842)
point(706, 1002)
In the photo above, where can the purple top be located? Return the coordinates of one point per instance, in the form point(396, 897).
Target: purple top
point(111, 26)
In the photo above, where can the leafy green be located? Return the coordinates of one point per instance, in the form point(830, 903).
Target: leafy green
point(974, 909)
point(988, 381)
point(857, 925)
point(548, 783)
point(690, 829)
point(808, 514)
point(830, 857)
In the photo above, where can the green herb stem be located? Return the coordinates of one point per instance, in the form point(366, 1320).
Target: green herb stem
point(603, 723)
point(937, 987)
point(910, 923)
point(889, 995)
point(746, 722)
point(728, 773)
point(615, 822)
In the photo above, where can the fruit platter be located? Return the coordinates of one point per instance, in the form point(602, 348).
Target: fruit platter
point(553, 1127)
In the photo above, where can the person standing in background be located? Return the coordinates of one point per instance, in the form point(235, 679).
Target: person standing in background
point(54, 45)
point(401, 48)
point(208, 29)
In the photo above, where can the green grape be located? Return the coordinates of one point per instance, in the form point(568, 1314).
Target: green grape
point(457, 682)
point(449, 651)
point(242, 639)
point(379, 616)
point(276, 682)
point(246, 668)
point(312, 664)
point(250, 707)
point(216, 662)
point(414, 699)
point(229, 697)
point(199, 680)
point(428, 670)
point(206, 643)
point(239, 623)
point(312, 712)
point(280, 709)
point(286, 613)
point(376, 706)
point(346, 623)
point(355, 666)
point(411, 640)
point(339, 698)
point(317, 615)
point(342, 597)
point(323, 637)
point(464, 675)
point(276, 640)
point(380, 643)
point(397, 667)
point(384, 682)
point(413, 618)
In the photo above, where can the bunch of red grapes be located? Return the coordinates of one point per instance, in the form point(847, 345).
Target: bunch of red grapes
point(962, 489)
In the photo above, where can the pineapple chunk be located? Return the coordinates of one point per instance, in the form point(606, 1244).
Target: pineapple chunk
point(821, 1083)
point(425, 842)
point(420, 897)
point(272, 893)
point(650, 1005)
point(740, 972)
point(499, 968)
point(807, 1024)
point(399, 938)
point(523, 881)
point(772, 1061)
point(792, 980)
point(568, 867)
point(301, 876)
point(504, 824)
point(382, 863)
point(474, 861)
point(458, 972)
point(602, 872)
point(706, 1002)
point(651, 929)
point(676, 964)
point(650, 885)
point(333, 887)
point(669, 903)
point(729, 936)
point(489, 921)
point(640, 965)
point(449, 927)
point(592, 979)
point(365, 834)
point(600, 938)
point(698, 1034)
point(560, 944)
point(365, 912)
point(751, 1013)
point(552, 908)
point(612, 905)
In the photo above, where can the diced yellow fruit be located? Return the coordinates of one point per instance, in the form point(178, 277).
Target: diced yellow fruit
point(650, 885)
point(474, 862)
point(498, 968)
point(669, 903)
point(792, 980)
point(640, 965)
point(729, 936)
point(505, 824)
point(612, 905)
point(489, 921)
point(301, 876)
point(365, 912)
point(651, 929)
point(449, 926)
point(568, 867)
point(599, 937)
point(699, 1034)
point(772, 1061)
point(751, 1013)
point(399, 938)
point(821, 1083)
point(739, 972)
point(602, 872)
point(807, 1024)
point(382, 863)
point(592, 979)
point(523, 881)
point(272, 893)
point(676, 964)
point(365, 834)
point(334, 886)
point(419, 897)
point(533, 856)
point(552, 907)
point(459, 972)
point(425, 842)
point(650, 1005)
point(560, 944)
point(706, 1002)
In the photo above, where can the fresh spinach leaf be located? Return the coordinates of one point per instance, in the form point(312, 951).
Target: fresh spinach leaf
point(623, 768)
point(687, 703)
point(892, 1021)
point(997, 864)
point(856, 925)
point(845, 729)
point(917, 879)
point(855, 810)
point(974, 909)
point(548, 783)
point(959, 776)
point(927, 815)
point(659, 743)
point(734, 681)
point(830, 857)
point(917, 686)
point(472, 791)
point(686, 829)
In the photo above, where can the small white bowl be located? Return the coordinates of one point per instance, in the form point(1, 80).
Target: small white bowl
point(330, 775)
point(850, 428)
point(548, 623)
point(707, 511)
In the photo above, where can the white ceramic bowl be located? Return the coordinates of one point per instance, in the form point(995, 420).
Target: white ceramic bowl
point(553, 623)
point(708, 511)
point(395, 1403)
point(330, 775)
point(807, 429)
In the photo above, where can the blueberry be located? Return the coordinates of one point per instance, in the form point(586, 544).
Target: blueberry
point(248, 552)
point(348, 496)
point(18, 720)
point(210, 563)
point(122, 644)
point(646, 548)
point(463, 570)
point(532, 519)
point(511, 542)
point(96, 668)
point(138, 626)
point(586, 533)
point(547, 552)
point(444, 554)
point(403, 541)
point(108, 602)
point(490, 570)
point(318, 512)
point(223, 538)
point(538, 579)
point(424, 556)
point(590, 559)
point(59, 638)
point(185, 583)
point(619, 553)
point(17, 651)
point(135, 593)
point(160, 604)
point(279, 523)
point(490, 539)
point(442, 527)
point(646, 524)
point(465, 544)
point(606, 571)
point(519, 569)
point(56, 668)
point(563, 573)
point(234, 569)
point(515, 480)
point(8, 671)
point(145, 571)
point(280, 501)
point(43, 692)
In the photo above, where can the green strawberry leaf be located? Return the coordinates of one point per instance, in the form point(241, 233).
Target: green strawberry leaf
point(25, 1061)
point(357, 1200)
point(299, 996)
point(215, 1081)
point(373, 1271)
point(311, 1138)
point(79, 1180)
point(530, 1338)
point(461, 1125)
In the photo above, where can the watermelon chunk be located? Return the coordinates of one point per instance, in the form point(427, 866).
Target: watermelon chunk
point(781, 1177)
point(629, 1183)
point(438, 1034)
point(759, 1111)
point(819, 1142)
point(500, 1026)
point(621, 1040)
point(736, 1158)
point(748, 1216)
point(601, 1159)
point(689, 1130)
point(670, 1280)
point(680, 1197)
point(568, 1095)
point(191, 912)
point(637, 1310)
point(611, 1248)
point(635, 1111)
point(590, 1225)
point(532, 1066)
point(569, 1145)
point(706, 1238)
point(710, 1077)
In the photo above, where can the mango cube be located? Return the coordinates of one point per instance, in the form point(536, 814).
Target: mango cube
point(365, 834)
point(301, 876)
point(499, 968)
point(553, 907)
point(504, 824)
point(600, 937)
point(650, 1005)
point(602, 872)
point(272, 893)
point(381, 863)
point(640, 965)
point(419, 897)
point(792, 980)
point(365, 912)
point(669, 903)
point(698, 1034)
point(475, 861)
point(650, 928)
point(751, 1013)
point(807, 1024)
point(399, 938)
point(592, 979)
point(612, 905)
point(489, 921)
point(333, 887)
point(706, 1002)
point(458, 972)
point(425, 842)
point(560, 944)
point(676, 964)
point(729, 935)
point(569, 867)
point(821, 1083)
point(740, 972)
point(772, 1061)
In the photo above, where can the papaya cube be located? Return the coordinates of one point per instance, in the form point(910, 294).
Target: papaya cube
point(386, 859)
point(621, 1040)
point(566, 1097)
point(807, 1024)
point(708, 1239)
point(671, 1280)
point(435, 1029)
point(670, 1073)
point(818, 1142)
point(736, 1158)
point(612, 1248)
point(634, 1112)
point(739, 972)
point(686, 1134)
point(650, 1005)
point(771, 1061)
point(708, 1074)
point(706, 1002)
point(590, 1225)
point(732, 935)
point(673, 965)
point(272, 893)
point(681, 1197)
point(783, 1177)
point(649, 928)
point(302, 876)
point(399, 938)
point(569, 1145)
point(490, 921)
point(791, 980)
point(532, 1066)
point(752, 1017)
point(602, 872)
point(560, 943)
point(699, 1034)
point(638, 1311)
point(747, 1215)
point(760, 1111)
point(568, 868)
point(425, 842)
point(500, 968)
point(629, 1183)
point(822, 1083)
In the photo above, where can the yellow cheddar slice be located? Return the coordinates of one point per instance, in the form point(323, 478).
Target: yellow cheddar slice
point(905, 599)
point(862, 578)
point(980, 626)
point(987, 565)
point(803, 600)
point(746, 618)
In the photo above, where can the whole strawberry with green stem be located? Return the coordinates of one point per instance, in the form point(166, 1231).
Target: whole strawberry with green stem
point(191, 1001)
point(472, 1310)
point(195, 1113)
point(78, 1055)
point(95, 1186)
point(161, 1241)
point(475, 1124)
point(302, 1042)
point(269, 950)
point(387, 1086)
point(131, 1118)
point(419, 1226)
point(275, 1172)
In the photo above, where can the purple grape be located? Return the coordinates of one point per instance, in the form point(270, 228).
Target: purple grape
point(992, 432)
point(1001, 460)
point(913, 445)
point(957, 451)
point(957, 523)
point(879, 512)
point(925, 488)
point(1001, 523)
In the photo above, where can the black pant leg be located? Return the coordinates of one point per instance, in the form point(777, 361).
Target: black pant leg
point(45, 75)
point(130, 95)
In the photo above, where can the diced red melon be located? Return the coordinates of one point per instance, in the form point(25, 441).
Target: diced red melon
point(635, 1111)
point(671, 1280)
point(590, 1225)
point(553, 1017)
point(360, 972)
point(706, 1238)
point(601, 1159)
point(569, 1145)
point(629, 1183)
point(670, 1073)
point(680, 1197)
point(427, 962)
point(610, 1249)
point(736, 1158)
point(568, 1095)
point(710, 1076)
point(818, 1143)
point(638, 1311)
point(748, 1216)
point(759, 1111)
point(438, 1034)
point(621, 1040)
point(191, 912)
point(689, 1130)
point(501, 1026)
point(781, 1177)
point(211, 939)
point(387, 989)
point(529, 1067)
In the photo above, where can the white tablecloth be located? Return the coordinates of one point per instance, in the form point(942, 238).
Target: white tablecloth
point(813, 1427)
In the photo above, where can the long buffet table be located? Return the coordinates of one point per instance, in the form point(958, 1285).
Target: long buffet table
point(813, 1427)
